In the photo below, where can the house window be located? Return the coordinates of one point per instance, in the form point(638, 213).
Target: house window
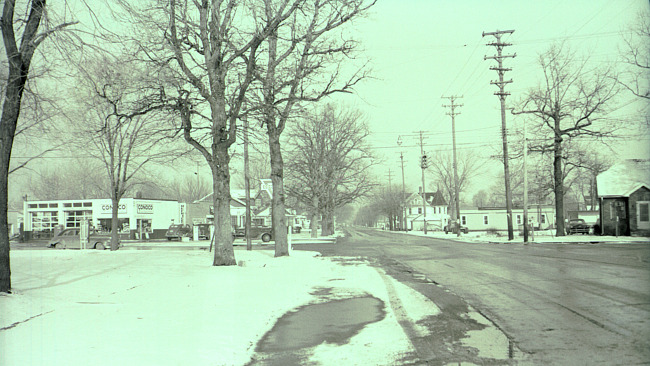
point(419, 210)
point(463, 220)
point(518, 219)
point(485, 220)
point(644, 211)
point(542, 218)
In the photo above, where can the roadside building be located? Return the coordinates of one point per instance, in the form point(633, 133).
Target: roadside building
point(541, 217)
point(624, 194)
point(135, 215)
point(434, 211)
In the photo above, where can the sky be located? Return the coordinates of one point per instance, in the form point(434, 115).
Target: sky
point(421, 50)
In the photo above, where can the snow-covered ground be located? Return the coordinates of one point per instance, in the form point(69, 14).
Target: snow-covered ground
point(545, 236)
point(172, 307)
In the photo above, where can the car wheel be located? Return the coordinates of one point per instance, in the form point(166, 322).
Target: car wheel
point(100, 246)
point(266, 237)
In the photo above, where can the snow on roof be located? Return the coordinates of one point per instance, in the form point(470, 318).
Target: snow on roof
point(623, 178)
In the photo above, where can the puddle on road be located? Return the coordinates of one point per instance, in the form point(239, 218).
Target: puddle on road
point(331, 322)
point(489, 341)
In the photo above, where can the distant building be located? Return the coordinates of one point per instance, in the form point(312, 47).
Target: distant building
point(434, 211)
point(624, 193)
point(541, 217)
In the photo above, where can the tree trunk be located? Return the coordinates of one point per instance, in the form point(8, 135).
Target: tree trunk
point(558, 185)
point(10, 112)
point(278, 210)
point(324, 223)
point(115, 223)
point(5, 268)
point(224, 254)
point(313, 224)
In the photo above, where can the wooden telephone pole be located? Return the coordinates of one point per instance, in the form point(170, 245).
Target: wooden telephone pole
point(424, 165)
point(453, 113)
point(502, 97)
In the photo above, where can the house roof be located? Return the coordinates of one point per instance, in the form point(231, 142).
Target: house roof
point(624, 178)
point(432, 198)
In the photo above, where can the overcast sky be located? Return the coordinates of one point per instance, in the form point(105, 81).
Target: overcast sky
point(421, 50)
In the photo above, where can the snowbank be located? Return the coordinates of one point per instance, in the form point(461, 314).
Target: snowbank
point(171, 307)
point(545, 236)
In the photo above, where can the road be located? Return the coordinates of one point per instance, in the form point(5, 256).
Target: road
point(560, 304)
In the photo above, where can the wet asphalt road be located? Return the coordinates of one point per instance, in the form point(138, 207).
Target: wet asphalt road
point(560, 304)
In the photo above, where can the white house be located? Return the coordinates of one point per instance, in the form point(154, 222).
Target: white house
point(434, 211)
point(496, 218)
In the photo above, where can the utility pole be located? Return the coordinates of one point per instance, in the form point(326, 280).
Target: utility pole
point(247, 187)
point(423, 164)
point(389, 179)
point(525, 185)
point(453, 113)
point(403, 223)
point(401, 158)
point(502, 97)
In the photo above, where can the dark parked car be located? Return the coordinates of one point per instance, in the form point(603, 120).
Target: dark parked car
point(263, 232)
point(575, 226)
point(70, 238)
point(179, 231)
point(451, 228)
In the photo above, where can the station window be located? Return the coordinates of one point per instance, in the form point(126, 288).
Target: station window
point(518, 219)
point(67, 204)
point(32, 205)
point(44, 221)
point(74, 218)
point(88, 204)
point(463, 220)
point(76, 204)
point(486, 221)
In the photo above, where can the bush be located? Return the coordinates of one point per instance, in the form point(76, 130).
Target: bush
point(493, 231)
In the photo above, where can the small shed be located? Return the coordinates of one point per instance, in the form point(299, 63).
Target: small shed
point(624, 194)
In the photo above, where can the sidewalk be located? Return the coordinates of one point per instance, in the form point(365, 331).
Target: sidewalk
point(172, 307)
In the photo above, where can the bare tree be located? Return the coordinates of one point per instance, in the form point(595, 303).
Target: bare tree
point(120, 124)
point(304, 62)
point(328, 162)
point(213, 47)
point(19, 57)
point(570, 103)
point(442, 172)
point(71, 179)
point(388, 201)
point(636, 78)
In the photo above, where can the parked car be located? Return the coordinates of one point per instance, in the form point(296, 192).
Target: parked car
point(451, 228)
point(70, 239)
point(575, 226)
point(179, 231)
point(262, 232)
